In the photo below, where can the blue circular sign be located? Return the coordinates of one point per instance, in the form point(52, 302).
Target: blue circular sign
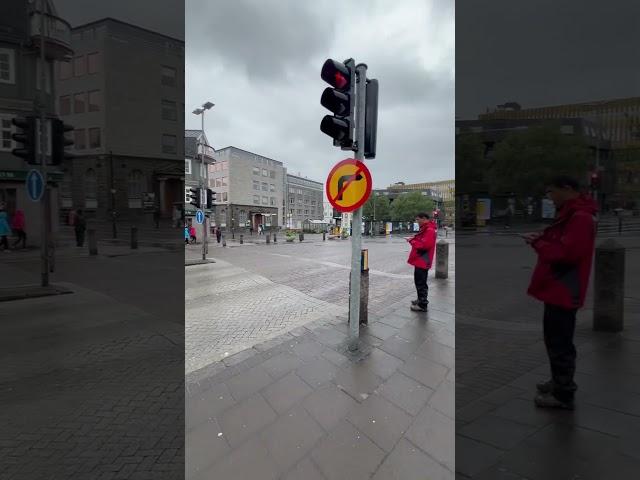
point(35, 185)
point(200, 216)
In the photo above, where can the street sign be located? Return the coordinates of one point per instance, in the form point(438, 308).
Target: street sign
point(200, 216)
point(35, 185)
point(348, 185)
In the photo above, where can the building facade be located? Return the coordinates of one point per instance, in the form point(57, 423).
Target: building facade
point(198, 157)
point(21, 90)
point(304, 201)
point(127, 143)
point(249, 190)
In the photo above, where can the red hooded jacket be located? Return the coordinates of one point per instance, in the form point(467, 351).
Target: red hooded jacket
point(423, 246)
point(565, 254)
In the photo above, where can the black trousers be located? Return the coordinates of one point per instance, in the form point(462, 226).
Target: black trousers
point(4, 242)
point(559, 328)
point(79, 238)
point(22, 237)
point(420, 279)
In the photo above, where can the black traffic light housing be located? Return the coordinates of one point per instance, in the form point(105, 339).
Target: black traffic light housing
point(211, 197)
point(340, 100)
point(59, 141)
point(371, 119)
point(27, 137)
point(195, 197)
point(595, 180)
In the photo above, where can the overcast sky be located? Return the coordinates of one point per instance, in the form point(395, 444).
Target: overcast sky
point(259, 62)
point(546, 52)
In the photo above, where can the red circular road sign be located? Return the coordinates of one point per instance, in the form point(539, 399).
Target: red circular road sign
point(348, 185)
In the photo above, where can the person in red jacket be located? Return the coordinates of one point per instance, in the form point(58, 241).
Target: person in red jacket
point(560, 280)
point(423, 246)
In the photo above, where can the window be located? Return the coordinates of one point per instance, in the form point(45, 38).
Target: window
point(223, 181)
point(7, 66)
point(65, 105)
point(218, 182)
point(292, 200)
point(169, 110)
point(256, 171)
point(187, 166)
point(256, 199)
point(169, 144)
point(272, 188)
point(313, 203)
point(5, 134)
point(135, 184)
point(225, 196)
point(272, 174)
point(65, 70)
point(78, 102)
point(168, 76)
point(93, 62)
point(90, 189)
point(256, 185)
point(299, 211)
point(95, 99)
point(273, 201)
point(265, 173)
point(265, 200)
point(94, 138)
point(265, 187)
point(79, 66)
point(79, 139)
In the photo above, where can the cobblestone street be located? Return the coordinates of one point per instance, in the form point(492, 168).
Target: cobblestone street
point(298, 404)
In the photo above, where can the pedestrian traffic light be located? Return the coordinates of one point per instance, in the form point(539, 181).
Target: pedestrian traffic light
point(371, 119)
point(26, 137)
point(59, 141)
point(194, 197)
point(211, 197)
point(340, 100)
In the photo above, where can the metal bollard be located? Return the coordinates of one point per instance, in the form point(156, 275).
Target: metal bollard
point(442, 259)
point(241, 239)
point(224, 241)
point(275, 239)
point(268, 238)
point(608, 295)
point(619, 225)
point(324, 236)
point(301, 237)
point(134, 237)
point(93, 243)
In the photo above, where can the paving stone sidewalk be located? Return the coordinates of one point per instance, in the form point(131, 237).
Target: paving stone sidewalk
point(300, 406)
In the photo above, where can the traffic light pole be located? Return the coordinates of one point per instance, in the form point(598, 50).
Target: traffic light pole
point(44, 248)
point(356, 223)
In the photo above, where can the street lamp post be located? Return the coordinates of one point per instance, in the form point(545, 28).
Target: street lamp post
point(204, 174)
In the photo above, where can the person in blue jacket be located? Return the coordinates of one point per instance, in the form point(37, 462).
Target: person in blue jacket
point(5, 230)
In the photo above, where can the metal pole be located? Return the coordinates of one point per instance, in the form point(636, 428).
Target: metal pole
point(43, 164)
point(356, 223)
point(203, 196)
point(114, 229)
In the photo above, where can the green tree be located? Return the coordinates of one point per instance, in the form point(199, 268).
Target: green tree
point(382, 208)
point(471, 164)
point(524, 161)
point(408, 205)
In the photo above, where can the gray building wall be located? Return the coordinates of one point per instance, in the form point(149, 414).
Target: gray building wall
point(131, 157)
point(304, 201)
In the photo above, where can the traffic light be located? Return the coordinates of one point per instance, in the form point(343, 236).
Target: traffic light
point(59, 141)
point(27, 137)
point(211, 197)
point(194, 197)
point(340, 100)
point(371, 119)
point(595, 180)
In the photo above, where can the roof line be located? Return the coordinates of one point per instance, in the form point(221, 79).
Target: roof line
point(252, 153)
point(111, 19)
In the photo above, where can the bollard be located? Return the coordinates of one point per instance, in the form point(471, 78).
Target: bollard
point(268, 238)
point(134, 237)
point(275, 240)
point(619, 225)
point(301, 237)
point(93, 244)
point(608, 286)
point(324, 236)
point(241, 239)
point(224, 241)
point(442, 259)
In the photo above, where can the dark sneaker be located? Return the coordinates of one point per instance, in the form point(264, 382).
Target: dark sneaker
point(414, 302)
point(418, 308)
point(547, 400)
point(545, 387)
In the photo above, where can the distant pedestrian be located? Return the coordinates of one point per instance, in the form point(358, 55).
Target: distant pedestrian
point(423, 245)
point(177, 217)
point(18, 226)
point(186, 235)
point(560, 280)
point(79, 227)
point(218, 234)
point(260, 229)
point(192, 233)
point(156, 217)
point(5, 230)
point(251, 230)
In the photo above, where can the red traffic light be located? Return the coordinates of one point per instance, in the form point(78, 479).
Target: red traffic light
point(336, 74)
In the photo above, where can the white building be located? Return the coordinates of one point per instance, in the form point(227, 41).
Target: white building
point(304, 200)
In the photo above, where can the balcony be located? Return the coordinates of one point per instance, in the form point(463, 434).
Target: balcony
point(57, 36)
